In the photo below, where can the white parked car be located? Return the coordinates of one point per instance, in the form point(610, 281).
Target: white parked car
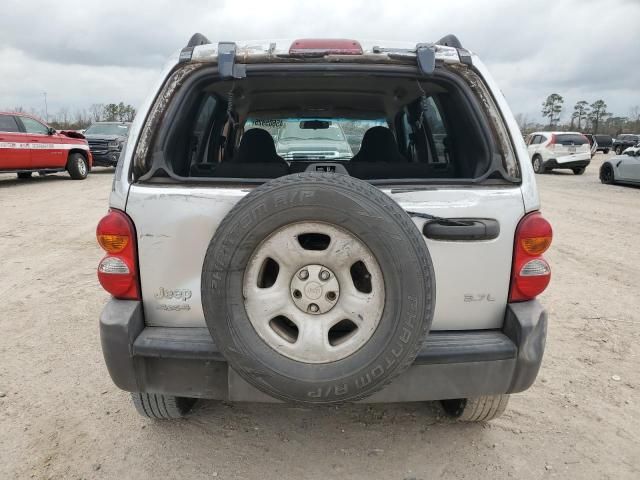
point(553, 150)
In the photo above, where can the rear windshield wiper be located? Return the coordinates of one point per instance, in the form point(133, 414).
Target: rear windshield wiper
point(442, 220)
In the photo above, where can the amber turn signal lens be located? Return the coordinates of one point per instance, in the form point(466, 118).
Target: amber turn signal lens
point(113, 243)
point(536, 245)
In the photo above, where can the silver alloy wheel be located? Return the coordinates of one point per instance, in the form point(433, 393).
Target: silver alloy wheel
point(537, 164)
point(82, 166)
point(314, 302)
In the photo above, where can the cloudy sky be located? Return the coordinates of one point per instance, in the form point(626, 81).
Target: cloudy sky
point(86, 51)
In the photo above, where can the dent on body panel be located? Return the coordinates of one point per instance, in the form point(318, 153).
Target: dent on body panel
point(175, 226)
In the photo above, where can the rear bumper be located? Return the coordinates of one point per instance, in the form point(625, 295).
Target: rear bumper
point(553, 163)
point(456, 364)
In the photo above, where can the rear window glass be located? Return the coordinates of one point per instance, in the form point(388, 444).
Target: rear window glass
point(438, 131)
point(308, 139)
point(377, 128)
point(571, 139)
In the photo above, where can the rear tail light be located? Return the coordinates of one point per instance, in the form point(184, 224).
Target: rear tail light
point(118, 270)
point(531, 272)
point(552, 142)
point(325, 46)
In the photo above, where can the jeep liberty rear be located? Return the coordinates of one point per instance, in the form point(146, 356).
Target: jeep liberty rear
point(324, 221)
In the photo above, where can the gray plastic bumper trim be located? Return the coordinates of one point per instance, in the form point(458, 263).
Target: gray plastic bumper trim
point(453, 364)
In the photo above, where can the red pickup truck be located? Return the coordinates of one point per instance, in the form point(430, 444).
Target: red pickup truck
point(28, 145)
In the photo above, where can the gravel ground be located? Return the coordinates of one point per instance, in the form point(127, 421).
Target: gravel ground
point(61, 417)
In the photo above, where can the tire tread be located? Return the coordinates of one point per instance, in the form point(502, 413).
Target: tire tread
point(483, 408)
point(74, 173)
point(161, 407)
point(350, 184)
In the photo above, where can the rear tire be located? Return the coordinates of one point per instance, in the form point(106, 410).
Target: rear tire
point(538, 166)
point(618, 150)
point(578, 170)
point(605, 151)
point(24, 175)
point(77, 166)
point(606, 174)
point(161, 407)
point(476, 409)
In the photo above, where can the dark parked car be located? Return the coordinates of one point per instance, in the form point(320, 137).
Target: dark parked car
point(106, 140)
point(604, 142)
point(624, 141)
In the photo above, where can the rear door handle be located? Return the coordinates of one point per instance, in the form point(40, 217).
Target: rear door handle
point(462, 229)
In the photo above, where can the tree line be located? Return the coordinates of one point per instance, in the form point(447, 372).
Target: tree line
point(79, 119)
point(585, 117)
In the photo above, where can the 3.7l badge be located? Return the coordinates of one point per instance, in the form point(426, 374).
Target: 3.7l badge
point(479, 297)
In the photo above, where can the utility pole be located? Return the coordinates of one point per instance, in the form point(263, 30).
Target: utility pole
point(46, 109)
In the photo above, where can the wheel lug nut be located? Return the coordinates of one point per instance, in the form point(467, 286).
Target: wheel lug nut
point(324, 275)
point(313, 308)
point(303, 275)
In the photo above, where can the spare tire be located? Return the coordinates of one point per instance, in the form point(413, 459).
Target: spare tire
point(318, 288)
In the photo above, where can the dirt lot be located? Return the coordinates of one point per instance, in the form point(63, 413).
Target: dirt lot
point(61, 417)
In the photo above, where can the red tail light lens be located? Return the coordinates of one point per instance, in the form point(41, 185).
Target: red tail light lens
point(552, 142)
point(118, 270)
point(531, 272)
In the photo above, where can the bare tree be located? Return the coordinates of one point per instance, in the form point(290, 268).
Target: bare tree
point(616, 125)
point(97, 111)
point(522, 120)
point(62, 116)
point(634, 116)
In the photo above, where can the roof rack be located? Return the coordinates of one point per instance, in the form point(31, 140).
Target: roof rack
point(450, 41)
point(196, 40)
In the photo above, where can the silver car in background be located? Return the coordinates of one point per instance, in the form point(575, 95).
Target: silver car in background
point(624, 168)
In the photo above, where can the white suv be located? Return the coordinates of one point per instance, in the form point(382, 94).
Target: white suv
point(552, 150)
point(406, 272)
